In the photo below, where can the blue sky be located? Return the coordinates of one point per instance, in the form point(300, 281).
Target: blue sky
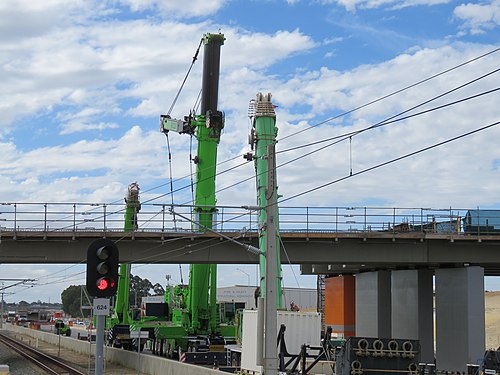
point(84, 83)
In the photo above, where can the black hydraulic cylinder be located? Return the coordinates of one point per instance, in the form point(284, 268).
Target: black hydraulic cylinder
point(211, 69)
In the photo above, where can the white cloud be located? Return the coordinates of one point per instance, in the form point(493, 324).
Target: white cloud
point(75, 126)
point(193, 8)
point(93, 67)
point(351, 5)
point(479, 17)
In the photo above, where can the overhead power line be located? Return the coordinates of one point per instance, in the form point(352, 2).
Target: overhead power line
point(320, 123)
point(390, 161)
point(324, 121)
point(387, 120)
point(392, 94)
point(382, 123)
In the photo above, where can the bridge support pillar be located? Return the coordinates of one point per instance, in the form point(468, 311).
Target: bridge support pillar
point(373, 304)
point(412, 309)
point(460, 321)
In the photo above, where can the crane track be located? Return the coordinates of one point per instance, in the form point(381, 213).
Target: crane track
point(46, 362)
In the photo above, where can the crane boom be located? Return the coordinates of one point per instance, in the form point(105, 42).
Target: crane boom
point(207, 127)
point(119, 323)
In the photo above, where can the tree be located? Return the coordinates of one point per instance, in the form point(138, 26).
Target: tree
point(158, 289)
point(141, 288)
point(71, 300)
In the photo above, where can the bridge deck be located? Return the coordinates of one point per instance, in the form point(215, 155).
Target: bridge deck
point(317, 252)
point(321, 239)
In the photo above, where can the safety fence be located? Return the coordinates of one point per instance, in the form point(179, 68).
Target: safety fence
point(81, 217)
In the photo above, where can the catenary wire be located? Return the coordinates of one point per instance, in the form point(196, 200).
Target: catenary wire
point(364, 106)
point(379, 124)
point(386, 121)
point(248, 248)
point(390, 161)
point(393, 93)
point(353, 133)
point(347, 136)
point(343, 137)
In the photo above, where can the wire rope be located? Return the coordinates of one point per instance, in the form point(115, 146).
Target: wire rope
point(195, 57)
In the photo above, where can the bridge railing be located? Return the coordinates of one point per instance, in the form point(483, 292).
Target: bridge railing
point(81, 217)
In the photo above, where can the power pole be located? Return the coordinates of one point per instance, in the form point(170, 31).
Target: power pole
point(270, 311)
point(1, 312)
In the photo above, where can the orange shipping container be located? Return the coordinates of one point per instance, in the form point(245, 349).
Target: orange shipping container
point(340, 305)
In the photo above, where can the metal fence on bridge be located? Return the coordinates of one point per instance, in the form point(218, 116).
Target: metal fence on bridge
point(80, 217)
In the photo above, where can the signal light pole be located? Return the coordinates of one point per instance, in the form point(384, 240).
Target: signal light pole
point(102, 281)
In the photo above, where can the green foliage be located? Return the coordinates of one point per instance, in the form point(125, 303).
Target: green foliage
point(71, 301)
point(142, 288)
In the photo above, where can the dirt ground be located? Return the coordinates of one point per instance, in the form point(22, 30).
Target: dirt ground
point(492, 312)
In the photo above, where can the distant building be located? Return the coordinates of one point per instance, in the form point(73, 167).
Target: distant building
point(304, 298)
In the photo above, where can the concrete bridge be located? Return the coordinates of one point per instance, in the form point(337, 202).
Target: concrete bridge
point(316, 252)
point(322, 239)
point(399, 256)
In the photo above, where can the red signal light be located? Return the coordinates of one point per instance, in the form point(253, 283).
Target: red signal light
point(105, 283)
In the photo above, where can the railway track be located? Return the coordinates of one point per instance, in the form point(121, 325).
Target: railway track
point(44, 361)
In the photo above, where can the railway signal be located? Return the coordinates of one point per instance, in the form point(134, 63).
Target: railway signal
point(102, 268)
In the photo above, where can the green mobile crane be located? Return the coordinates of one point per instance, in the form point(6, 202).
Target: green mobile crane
point(119, 324)
point(193, 321)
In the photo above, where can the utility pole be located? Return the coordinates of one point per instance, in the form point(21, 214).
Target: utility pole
point(1, 312)
point(270, 312)
point(263, 134)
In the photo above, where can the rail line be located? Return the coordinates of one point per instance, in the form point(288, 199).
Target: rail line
point(44, 361)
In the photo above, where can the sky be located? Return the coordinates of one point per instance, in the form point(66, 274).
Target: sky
point(83, 84)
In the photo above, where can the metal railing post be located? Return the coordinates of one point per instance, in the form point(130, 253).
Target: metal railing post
point(451, 222)
point(422, 220)
point(104, 218)
point(221, 220)
point(478, 226)
point(393, 219)
point(307, 219)
point(74, 220)
point(15, 220)
point(336, 219)
point(163, 219)
point(45, 218)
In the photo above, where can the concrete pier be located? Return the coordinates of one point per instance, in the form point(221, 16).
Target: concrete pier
point(412, 309)
point(460, 321)
point(373, 304)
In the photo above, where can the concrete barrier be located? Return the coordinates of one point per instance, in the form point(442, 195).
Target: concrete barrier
point(149, 364)
point(4, 370)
